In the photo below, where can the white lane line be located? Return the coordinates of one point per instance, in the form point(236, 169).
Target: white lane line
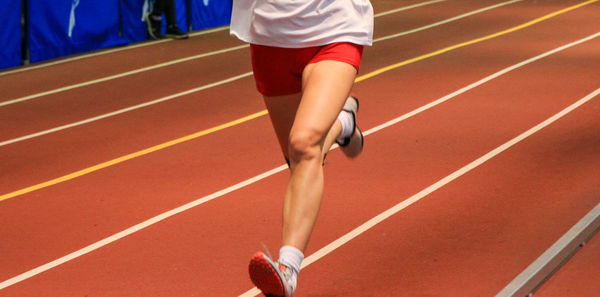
point(137, 227)
point(432, 188)
point(252, 180)
point(108, 51)
point(120, 111)
point(82, 122)
point(74, 86)
point(111, 77)
point(446, 21)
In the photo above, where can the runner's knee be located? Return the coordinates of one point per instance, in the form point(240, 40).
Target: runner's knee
point(305, 145)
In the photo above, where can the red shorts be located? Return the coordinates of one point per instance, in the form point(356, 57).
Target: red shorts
point(278, 71)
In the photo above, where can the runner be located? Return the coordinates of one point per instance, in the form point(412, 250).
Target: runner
point(305, 57)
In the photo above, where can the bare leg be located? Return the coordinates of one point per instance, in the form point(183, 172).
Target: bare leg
point(306, 126)
point(282, 111)
point(305, 140)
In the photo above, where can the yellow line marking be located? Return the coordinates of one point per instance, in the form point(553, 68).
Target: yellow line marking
point(132, 155)
point(264, 112)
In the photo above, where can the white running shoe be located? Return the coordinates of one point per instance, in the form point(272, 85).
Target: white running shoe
point(352, 145)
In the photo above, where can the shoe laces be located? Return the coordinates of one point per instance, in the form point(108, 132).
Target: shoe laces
point(290, 279)
point(266, 250)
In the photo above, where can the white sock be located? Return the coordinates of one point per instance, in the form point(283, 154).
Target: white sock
point(347, 121)
point(292, 258)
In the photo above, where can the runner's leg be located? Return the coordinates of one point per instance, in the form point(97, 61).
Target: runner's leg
point(326, 86)
point(306, 125)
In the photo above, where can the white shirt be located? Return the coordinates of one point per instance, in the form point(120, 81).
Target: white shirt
point(302, 23)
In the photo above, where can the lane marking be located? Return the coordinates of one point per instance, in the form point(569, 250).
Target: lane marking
point(264, 175)
point(136, 228)
point(480, 82)
point(120, 111)
point(432, 188)
point(111, 77)
point(161, 146)
point(109, 51)
point(89, 120)
point(168, 63)
point(131, 156)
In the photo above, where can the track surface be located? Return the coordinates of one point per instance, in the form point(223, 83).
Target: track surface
point(87, 196)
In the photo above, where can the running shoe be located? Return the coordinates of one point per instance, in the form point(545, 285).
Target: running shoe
point(273, 279)
point(352, 145)
point(174, 32)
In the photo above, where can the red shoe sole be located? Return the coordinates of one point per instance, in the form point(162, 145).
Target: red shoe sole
point(264, 276)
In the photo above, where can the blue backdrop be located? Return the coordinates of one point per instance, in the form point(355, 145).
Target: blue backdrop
point(10, 34)
point(59, 28)
point(134, 29)
point(210, 13)
point(65, 27)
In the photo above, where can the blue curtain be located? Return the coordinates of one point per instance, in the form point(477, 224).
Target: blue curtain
point(64, 27)
point(10, 34)
point(210, 13)
point(59, 28)
point(134, 28)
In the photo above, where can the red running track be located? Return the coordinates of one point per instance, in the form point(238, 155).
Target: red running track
point(471, 237)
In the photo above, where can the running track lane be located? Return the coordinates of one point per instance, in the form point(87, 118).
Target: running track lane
point(34, 81)
point(100, 98)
